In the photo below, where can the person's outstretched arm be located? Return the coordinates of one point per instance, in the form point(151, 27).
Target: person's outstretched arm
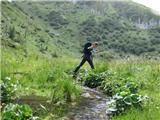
point(91, 47)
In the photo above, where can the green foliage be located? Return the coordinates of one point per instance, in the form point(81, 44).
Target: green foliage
point(57, 20)
point(125, 95)
point(108, 55)
point(12, 32)
point(109, 31)
point(8, 89)
point(64, 90)
point(110, 84)
point(123, 101)
point(133, 11)
point(115, 29)
point(47, 77)
point(114, 83)
point(18, 112)
point(94, 80)
point(113, 25)
point(121, 86)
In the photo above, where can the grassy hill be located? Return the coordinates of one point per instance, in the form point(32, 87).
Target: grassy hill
point(26, 36)
point(40, 44)
point(51, 28)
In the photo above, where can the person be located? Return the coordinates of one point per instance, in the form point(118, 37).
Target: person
point(87, 56)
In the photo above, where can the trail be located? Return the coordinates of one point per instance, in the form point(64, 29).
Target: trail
point(92, 106)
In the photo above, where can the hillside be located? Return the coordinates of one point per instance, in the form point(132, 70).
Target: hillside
point(41, 46)
point(23, 35)
point(57, 28)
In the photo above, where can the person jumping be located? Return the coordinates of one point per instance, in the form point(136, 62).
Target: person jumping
point(87, 56)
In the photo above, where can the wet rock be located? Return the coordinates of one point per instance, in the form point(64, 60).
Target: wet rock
point(92, 106)
point(86, 95)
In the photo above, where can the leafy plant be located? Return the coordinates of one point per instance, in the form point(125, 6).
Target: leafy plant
point(8, 89)
point(125, 94)
point(124, 90)
point(123, 101)
point(18, 112)
point(94, 80)
point(111, 83)
point(118, 82)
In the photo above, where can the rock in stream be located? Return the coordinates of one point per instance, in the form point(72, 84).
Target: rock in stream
point(92, 107)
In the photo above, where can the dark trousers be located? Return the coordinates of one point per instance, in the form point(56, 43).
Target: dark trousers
point(87, 58)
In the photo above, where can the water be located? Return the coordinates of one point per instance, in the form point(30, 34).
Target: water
point(92, 106)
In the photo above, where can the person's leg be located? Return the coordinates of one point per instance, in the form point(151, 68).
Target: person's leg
point(90, 61)
point(79, 66)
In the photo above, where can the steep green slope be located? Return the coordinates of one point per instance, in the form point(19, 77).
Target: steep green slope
point(122, 28)
point(35, 32)
point(24, 35)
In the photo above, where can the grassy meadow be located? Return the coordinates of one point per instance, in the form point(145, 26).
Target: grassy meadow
point(51, 78)
point(42, 42)
point(147, 73)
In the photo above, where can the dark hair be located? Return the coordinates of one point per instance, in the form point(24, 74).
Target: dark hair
point(96, 43)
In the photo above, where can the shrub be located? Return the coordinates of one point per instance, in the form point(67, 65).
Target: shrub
point(54, 54)
point(57, 20)
point(94, 80)
point(123, 101)
point(115, 83)
point(18, 112)
point(8, 90)
point(12, 32)
point(155, 41)
point(124, 92)
point(47, 31)
point(110, 84)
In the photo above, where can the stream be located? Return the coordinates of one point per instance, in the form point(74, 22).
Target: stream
point(92, 106)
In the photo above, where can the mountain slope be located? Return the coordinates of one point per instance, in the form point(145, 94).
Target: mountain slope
point(63, 27)
point(24, 35)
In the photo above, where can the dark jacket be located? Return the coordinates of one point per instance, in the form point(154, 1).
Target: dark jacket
point(87, 51)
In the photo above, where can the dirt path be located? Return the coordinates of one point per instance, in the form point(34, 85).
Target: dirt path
point(92, 107)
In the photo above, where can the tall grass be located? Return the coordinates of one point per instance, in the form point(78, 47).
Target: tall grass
point(39, 74)
point(44, 76)
point(146, 72)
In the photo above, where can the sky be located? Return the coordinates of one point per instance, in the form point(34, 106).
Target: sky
point(153, 4)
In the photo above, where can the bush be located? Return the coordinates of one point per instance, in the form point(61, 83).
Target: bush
point(94, 80)
point(110, 84)
point(47, 31)
point(8, 89)
point(123, 101)
point(18, 112)
point(12, 33)
point(57, 20)
point(54, 54)
point(124, 90)
point(115, 83)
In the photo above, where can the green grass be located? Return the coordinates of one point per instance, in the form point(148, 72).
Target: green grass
point(118, 34)
point(48, 74)
point(146, 72)
point(42, 76)
point(50, 78)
